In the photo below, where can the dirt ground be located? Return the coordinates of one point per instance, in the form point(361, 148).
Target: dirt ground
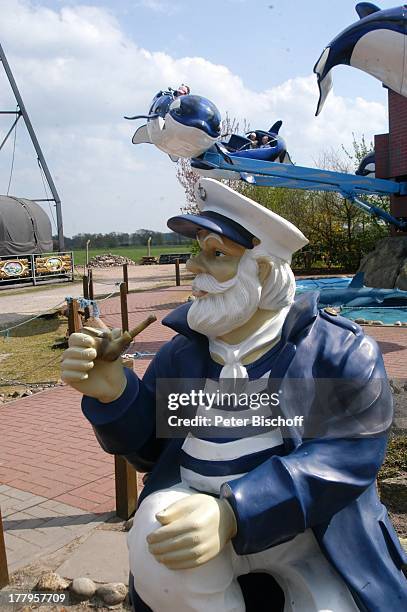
point(26, 579)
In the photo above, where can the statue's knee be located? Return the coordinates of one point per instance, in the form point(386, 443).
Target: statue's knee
point(147, 572)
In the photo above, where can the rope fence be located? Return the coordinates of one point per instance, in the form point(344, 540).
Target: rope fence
point(36, 316)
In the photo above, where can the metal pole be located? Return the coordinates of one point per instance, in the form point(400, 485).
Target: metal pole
point(87, 253)
point(37, 147)
point(10, 130)
point(33, 269)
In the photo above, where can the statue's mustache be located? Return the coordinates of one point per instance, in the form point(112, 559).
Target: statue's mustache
point(208, 284)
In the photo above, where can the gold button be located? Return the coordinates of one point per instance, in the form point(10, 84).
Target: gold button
point(331, 311)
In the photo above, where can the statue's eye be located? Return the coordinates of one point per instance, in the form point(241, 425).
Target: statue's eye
point(219, 254)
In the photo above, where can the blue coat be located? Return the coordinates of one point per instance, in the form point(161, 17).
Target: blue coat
point(327, 485)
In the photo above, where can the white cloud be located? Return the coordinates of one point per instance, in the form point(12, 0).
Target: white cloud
point(159, 6)
point(79, 74)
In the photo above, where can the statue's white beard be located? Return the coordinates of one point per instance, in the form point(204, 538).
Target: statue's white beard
point(227, 305)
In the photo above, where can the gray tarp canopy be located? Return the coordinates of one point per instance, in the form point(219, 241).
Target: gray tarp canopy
point(24, 227)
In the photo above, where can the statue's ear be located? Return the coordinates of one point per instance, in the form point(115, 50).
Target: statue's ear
point(264, 267)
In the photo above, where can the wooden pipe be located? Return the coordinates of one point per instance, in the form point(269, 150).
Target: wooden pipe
point(109, 348)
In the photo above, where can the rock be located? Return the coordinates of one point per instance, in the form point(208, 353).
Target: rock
point(128, 524)
point(403, 542)
point(15, 394)
point(360, 321)
point(84, 588)
point(50, 581)
point(393, 493)
point(109, 261)
point(386, 266)
point(398, 323)
point(402, 278)
point(26, 393)
point(397, 386)
point(112, 594)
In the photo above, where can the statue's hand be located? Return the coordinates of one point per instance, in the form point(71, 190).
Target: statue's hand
point(195, 529)
point(82, 370)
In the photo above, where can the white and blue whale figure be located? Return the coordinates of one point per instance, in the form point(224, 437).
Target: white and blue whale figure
point(240, 146)
point(367, 166)
point(357, 294)
point(180, 125)
point(376, 44)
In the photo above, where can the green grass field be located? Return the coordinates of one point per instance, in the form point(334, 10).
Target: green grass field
point(134, 253)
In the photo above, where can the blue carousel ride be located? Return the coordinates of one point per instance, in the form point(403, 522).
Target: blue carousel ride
point(189, 126)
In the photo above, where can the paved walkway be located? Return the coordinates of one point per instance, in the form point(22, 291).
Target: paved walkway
point(57, 482)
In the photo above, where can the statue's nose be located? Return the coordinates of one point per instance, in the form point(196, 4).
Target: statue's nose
point(196, 265)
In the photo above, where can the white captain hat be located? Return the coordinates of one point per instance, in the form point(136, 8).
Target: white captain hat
point(229, 213)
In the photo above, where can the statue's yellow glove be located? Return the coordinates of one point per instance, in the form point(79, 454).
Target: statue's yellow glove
point(194, 530)
point(103, 380)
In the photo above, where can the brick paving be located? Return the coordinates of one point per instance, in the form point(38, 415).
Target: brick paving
point(56, 479)
point(47, 448)
point(56, 483)
point(393, 344)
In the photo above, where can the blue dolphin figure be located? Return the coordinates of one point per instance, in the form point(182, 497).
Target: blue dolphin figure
point(239, 146)
point(356, 294)
point(275, 150)
point(375, 44)
point(180, 125)
point(367, 166)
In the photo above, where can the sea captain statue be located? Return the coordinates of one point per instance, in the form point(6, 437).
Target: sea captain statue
point(297, 507)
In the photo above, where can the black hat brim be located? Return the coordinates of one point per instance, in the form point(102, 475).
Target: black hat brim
point(189, 225)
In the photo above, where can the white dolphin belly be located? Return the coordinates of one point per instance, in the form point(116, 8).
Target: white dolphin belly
point(383, 54)
point(178, 139)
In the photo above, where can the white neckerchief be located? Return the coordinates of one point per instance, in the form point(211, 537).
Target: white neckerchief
point(233, 354)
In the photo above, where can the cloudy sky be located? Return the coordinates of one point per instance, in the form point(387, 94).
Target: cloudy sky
point(82, 65)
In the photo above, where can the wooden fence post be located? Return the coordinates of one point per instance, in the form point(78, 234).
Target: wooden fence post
point(126, 276)
point(4, 577)
point(85, 284)
point(90, 281)
point(123, 307)
point(125, 474)
point(177, 273)
point(126, 487)
point(74, 320)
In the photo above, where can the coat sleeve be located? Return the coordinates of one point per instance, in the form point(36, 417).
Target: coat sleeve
point(286, 495)
point(127, 425)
